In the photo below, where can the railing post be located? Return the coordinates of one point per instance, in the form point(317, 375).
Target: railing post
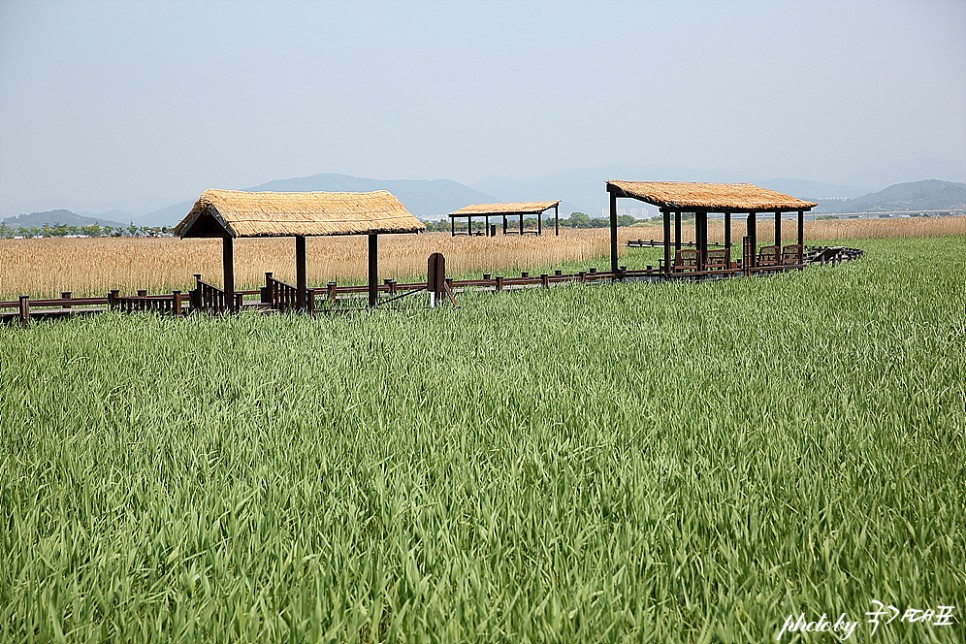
point(310, 294)
point(24, 309)
point(65, 295)
point(499, 283)
point(238, 302)
point(333, 287)
point(142, 304)
point(581, 276)
point(545, 280)
point(112, 298)
point(176, 304)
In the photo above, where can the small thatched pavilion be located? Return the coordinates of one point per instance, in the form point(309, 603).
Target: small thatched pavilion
point(231, 213)
point(505, 210)
point(701, 199)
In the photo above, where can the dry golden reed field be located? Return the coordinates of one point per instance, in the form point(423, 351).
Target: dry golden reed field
point(45, 267)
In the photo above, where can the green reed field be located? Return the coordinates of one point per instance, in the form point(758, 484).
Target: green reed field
point(677, 462)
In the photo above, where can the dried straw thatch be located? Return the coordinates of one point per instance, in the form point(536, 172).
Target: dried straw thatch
point(286, 214)
point(713, 197)
point(521, 208)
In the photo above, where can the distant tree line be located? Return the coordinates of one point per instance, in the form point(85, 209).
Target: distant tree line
point(94, 230)
point(575, 220)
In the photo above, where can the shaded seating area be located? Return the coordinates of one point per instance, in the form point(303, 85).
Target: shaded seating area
point(232, 214)
point(727, 199)
point(506, 211)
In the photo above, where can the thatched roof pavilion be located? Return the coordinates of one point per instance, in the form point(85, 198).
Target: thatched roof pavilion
point(701, 199)
point(232, 213)
point(519, 209)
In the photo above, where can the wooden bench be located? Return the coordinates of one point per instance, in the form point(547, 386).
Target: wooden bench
point(718, 260)
point(769, 256)
point(792, 255)
point(685, 260)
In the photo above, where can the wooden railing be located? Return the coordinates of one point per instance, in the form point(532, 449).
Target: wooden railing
point(208, 298)
point(142, 302)
point(279, 296)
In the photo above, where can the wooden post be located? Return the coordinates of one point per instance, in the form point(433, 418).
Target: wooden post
point(435, 278)
point(504, 224)
point(452, 226)
point(65, 295)
point(778, 230)
point(556, 220)
point(176, 306)
point(801, 228)
point(521, 224)
point(469, 225)
point(667, 241)
point(310, 293)
point(228, 265)
point(703, 252)
point(333, 292)
point(753, 239)
point(300, 277)
point(539, 223)
point(677, 230)
point(373, 269)
point(727, 232)
point(24, 309)
point(613, 232)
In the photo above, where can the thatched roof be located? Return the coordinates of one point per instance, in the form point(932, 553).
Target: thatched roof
point(521, 208)
point(713, 197)
point(287, 214)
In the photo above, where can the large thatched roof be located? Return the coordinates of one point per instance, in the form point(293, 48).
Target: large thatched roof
point(521, 208)
point(713, 197)
point(287, 214)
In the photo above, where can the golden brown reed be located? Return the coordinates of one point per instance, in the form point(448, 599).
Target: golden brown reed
point(45, 267)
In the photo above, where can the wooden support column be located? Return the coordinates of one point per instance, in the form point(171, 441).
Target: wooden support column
point(300, 278)
point(373, 269)
point(556, 220)
point(452, 226)
point(753, 238)
point(613, 232)
point(504, 225)
point(701, 222)
point(667, 241)
point(469, 225)
point(539, 223)
point(677, 230)
point(727, 232)
point(778, 228)
point(228, 266)
point(521, 224)
point(801, 227)
point(486, 232)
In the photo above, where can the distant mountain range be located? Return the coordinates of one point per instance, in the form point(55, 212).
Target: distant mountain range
point(578, 190)
point(55, 218)
point(930, 194)
point(427, 198)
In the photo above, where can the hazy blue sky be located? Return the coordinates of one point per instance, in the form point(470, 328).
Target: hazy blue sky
point(104, 101)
